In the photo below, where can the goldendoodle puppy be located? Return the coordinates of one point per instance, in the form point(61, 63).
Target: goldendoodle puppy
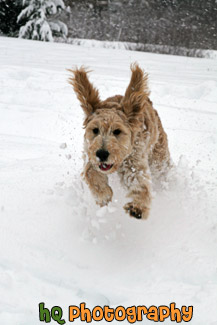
point(123, 134)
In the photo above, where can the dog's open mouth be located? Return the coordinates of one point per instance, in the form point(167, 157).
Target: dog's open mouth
point(105, 167)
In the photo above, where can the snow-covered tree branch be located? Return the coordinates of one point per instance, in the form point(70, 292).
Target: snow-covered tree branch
point(40, 17)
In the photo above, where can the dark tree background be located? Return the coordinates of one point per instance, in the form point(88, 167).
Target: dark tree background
point(179, 23)
point(187, 23)
point(9, 10)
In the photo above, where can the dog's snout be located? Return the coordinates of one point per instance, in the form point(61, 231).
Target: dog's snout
point(102, 154)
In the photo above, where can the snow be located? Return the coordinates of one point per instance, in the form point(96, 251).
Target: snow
point(154, 48)
point(56, 245)
point(37, 27)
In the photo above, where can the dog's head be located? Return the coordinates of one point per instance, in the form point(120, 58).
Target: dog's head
point(111, 125)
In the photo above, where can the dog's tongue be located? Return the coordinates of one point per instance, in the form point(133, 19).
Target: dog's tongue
point(105, 167)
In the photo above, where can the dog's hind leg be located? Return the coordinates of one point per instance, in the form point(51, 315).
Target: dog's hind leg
point(98, 184)
point(159, 159)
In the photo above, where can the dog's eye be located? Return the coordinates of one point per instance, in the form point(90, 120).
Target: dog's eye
point(116, 132)
point(96, 131)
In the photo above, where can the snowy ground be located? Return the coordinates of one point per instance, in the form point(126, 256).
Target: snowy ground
point(56, 245)
point(165, 49)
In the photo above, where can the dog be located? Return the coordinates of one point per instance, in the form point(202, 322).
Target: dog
point(123, 134)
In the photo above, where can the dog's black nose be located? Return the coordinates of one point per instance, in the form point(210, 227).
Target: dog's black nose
point(102, 154)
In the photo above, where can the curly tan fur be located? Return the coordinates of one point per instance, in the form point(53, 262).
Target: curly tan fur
point(139, 147)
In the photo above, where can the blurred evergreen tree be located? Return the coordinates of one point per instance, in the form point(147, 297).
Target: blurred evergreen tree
point(40, 17)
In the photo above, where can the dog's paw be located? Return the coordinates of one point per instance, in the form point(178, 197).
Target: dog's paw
point(105, 197)
point(136, 212)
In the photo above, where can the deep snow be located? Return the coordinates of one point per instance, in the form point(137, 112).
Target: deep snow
point(56, 245)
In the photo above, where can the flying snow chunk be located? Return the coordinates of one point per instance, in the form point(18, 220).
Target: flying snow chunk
point(68, 156)
point(63, 146)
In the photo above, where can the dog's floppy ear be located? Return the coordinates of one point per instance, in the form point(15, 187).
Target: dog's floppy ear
point(85, 91)
point(136, 95)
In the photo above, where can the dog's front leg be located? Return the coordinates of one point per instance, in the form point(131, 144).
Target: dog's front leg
point(98, 184)
point(138, 181)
